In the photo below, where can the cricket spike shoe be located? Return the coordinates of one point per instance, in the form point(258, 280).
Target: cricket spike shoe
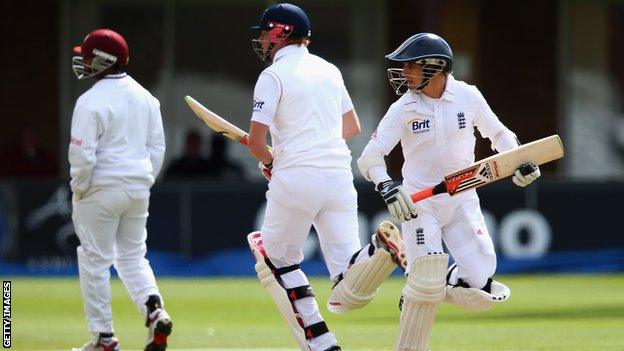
point(159, 328)
point(100, 343)
point(389, 238)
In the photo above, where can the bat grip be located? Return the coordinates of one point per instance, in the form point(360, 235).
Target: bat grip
point(421, 195)
point(429, 192)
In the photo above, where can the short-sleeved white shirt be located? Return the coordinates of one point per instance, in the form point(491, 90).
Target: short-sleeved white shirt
point(437, 135)
point(302, 98)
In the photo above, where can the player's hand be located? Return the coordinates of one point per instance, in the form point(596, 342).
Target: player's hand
point(266, 170)
point(526, 174)
point(398, 200)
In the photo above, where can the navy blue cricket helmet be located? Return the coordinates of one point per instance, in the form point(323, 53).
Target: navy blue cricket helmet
point(428, 49)
point(422, 46)
point(287, 14)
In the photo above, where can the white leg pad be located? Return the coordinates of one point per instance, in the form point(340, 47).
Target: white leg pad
point(476, 299)
point(277, 292)
point(361, 282)
point(422, 294)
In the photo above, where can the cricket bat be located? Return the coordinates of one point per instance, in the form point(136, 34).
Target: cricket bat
point(495, 167)
point(217, 123)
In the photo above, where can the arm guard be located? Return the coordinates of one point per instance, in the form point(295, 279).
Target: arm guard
point(372, 159)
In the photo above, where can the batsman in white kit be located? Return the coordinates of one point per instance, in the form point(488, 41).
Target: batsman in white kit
point(302, 101)
point(116, 150)
point(434, 120)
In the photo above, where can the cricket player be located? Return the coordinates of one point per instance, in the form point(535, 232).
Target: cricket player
point(301, 100)
point(116, 151)
point(434, 120)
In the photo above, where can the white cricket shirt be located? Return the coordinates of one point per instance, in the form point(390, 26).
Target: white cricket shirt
point(436, 135)
point(302, 98)
point(117, 138)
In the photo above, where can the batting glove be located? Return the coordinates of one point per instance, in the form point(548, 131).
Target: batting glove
point(526, 174)
point(398, 200)
point(266, 170)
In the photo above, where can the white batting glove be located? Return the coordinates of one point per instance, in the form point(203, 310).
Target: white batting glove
point(526, 174)
point(398, 200)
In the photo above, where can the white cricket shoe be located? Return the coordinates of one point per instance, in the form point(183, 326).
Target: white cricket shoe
point(99, 343)
point(389, 238)
point(159, 327)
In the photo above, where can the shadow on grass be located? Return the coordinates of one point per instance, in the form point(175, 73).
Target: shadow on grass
point(553, 313)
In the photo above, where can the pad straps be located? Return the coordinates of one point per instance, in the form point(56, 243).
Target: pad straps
point(314, 330)
point(297, 293)
point(371, 251)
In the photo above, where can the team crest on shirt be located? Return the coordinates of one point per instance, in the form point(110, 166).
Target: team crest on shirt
point(461, 120)
point(257, 104)
point(420, 126)
point(374, 135)
point(420, 236)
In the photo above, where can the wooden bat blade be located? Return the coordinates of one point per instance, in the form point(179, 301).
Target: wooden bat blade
point(504, 164)
point(496, 167)
point(216, 123)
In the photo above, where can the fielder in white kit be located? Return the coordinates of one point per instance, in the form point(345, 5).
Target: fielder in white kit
point(302, 101)
point(116, 150)
point(435, 124)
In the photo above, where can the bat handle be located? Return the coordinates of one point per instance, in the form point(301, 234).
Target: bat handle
point(429, 192)
point(423, 194)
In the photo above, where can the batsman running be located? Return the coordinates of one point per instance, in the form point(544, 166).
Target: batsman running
point(302, 101)
point(116, 150)
point(434, 120)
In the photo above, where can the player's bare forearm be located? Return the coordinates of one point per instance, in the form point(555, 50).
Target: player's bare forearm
point(261, 153)
point(350, 125)
point(257, 143)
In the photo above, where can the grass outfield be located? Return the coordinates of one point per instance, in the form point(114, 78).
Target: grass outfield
point(544, 313)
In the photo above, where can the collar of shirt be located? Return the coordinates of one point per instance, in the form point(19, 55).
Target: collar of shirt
point(290, 49)
point(413, 102)
point(449, 88)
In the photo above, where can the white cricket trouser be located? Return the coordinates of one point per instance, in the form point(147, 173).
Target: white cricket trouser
point(297, 199)
point(301, 197)
point(111, 227)
point(459, 222)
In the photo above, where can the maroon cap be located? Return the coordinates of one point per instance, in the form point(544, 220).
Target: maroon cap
point(107, 41)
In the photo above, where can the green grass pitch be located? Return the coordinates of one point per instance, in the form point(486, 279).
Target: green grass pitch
point(560, 312)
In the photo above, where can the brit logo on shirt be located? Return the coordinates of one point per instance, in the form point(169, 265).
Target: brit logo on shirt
point(420, 126)
point(461, 120)
point(257, 104)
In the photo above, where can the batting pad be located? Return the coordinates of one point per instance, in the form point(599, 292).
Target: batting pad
point(422, 294)
point(277, 292)
point(476, 299)
point(361, 282)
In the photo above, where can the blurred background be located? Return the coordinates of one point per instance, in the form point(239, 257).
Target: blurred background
point(545, 67)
